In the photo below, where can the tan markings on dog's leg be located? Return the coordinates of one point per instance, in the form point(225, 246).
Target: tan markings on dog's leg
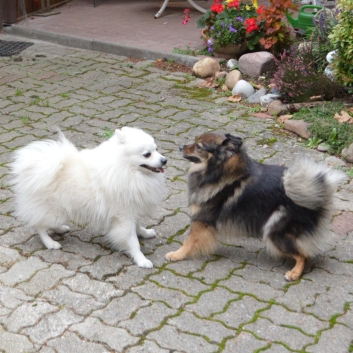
point(201, 240)
point(297, 270)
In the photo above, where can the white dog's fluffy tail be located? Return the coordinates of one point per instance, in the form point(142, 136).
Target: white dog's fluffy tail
point(311, 185)
point(34, 169)
point(37, 163)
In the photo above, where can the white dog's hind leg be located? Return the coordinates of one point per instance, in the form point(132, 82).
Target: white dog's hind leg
point(145, 233)
point(46, 240)
point(61, 230)
point(123, 236)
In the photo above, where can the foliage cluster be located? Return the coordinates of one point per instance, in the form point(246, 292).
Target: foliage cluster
point(234, 22)
point(231, 22)
point(341, 39)
point(277, 34)
point(325, 20)
point(297, 78)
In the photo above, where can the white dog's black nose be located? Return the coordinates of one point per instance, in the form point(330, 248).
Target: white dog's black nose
point(164, 160)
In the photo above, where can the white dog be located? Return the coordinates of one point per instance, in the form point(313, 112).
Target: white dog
point(108, 187)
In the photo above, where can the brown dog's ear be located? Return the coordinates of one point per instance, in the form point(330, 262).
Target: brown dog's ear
point(232, 143)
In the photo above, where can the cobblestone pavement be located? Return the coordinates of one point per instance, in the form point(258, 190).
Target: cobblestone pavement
point(88, 298)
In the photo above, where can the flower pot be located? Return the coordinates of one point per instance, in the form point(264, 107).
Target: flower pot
point(230, 51)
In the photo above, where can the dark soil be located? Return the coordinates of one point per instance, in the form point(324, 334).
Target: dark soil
point(166, 65)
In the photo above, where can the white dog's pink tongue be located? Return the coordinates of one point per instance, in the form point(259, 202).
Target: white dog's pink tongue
point(161, 170)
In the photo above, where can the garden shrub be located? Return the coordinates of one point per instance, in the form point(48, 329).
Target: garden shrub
point(325, 20)
point(342, 40)
point(297, 78)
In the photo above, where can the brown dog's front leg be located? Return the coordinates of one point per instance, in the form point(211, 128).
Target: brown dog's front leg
point(297, 270)
point(201, 240)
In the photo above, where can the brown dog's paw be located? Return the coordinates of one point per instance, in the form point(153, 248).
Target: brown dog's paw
point(172, 256)
point(291, 276)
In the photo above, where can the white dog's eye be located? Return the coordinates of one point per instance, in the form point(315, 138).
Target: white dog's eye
point(147, 155)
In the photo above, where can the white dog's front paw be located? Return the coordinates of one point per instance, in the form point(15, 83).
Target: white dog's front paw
point(52, 244)
point(61, 230)
point(141, 261)
point(150, 233)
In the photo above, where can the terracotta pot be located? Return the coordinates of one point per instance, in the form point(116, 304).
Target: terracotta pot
point(230, 51)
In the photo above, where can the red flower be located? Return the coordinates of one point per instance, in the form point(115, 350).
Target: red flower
point(261, 9)
point(251, 25)
point(218, 8)
point(234, 3)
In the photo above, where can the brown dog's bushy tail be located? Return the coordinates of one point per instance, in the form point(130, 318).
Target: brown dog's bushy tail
point(311, 185)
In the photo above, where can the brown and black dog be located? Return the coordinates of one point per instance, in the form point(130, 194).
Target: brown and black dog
point(232, 195)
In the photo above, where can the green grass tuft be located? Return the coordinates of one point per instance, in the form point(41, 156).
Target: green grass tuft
point(325, 127)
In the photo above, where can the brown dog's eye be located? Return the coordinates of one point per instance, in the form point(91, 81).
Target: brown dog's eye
point(147, 155)
point(198, 147)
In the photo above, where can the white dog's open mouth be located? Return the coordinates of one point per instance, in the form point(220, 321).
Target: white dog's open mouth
point(155, 170)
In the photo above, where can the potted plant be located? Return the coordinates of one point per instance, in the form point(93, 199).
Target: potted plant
point(231, 27)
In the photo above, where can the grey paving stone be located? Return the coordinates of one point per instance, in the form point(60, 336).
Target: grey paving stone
point(338, 340)
point(9, 256)
point(131, 276)
point(212, 302)
point(117, 311)
point(188, 285)
point(280, 316)
point(7, 222)
point(189, 323)
point(103, 292)
point(240, 285)
point(70, 342)
point(52, 326)
point(148, 347)
point(152, 292)
point(216, 270)
point(109, 265)
point(293, 338)
point(147, 318)
point(45, 279)
point(14, 343)
point(47, 350)
point(188, 267)
point(330, 303)
point(22, 271)
point(244, 342)
point(28, 314)
point(168, 337)
point(93, 330)
point(81, 304)
point(68, 260)
point(12, 297)
point(301, 295)
point(277, 348)
point(240, 311)
point(75, 246)
point(347, 318)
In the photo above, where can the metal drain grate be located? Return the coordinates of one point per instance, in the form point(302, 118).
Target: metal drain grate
point(8, 48)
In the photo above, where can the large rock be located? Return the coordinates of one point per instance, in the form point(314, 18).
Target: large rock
point(300, 127)
point(256, 64)
point(206, 67)
point(232, 78)
point(277, 108)
point(255, 98)
point(347, 153)
point(244, 88)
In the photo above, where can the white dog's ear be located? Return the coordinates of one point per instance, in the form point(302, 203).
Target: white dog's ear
point(119, 135)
